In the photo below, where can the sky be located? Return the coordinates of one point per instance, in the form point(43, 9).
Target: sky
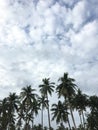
point(45, 38)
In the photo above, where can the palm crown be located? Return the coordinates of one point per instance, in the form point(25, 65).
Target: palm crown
point(66, 87)
point(46, 87)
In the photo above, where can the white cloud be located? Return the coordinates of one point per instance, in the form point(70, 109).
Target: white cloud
point(4, 13)
point(47, 40)
point(78, 14)
point(85, 41)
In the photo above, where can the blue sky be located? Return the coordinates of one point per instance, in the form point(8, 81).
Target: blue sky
point(40, 38)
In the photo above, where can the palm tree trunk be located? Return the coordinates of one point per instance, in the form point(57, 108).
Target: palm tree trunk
point(83, 118)
point(61, 123)
point(69, 124)
point(72, 117)
point(26, 118)
point(42, 116)
point(49, 118)
point(32, 125)
point(80, 119)
point(48, 114)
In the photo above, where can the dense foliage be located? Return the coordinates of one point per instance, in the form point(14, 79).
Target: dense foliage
point(17, 112)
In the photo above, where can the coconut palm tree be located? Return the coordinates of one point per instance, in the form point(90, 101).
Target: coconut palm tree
point(92, 120)
point(60, 113)
point(27, 98)
point(92, 117)
point(80, 102)
point(8, 107)
point(21, 115)
point(67, 89)
point(46, 89)
point(12, 108)
point(3, 114)
point(93, 102)
point(35, 107)
point(43, 103)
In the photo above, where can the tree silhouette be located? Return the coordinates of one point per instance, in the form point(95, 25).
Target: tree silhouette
point(67, 89)
point(46, 89)
point(60, 113)
point(28, 98)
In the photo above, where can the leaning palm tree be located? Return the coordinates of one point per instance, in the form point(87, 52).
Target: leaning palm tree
point(67, 89)
point(60, 113)
point(46, 89)
point(27, 98)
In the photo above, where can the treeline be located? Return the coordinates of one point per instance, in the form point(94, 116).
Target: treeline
point(17, 112)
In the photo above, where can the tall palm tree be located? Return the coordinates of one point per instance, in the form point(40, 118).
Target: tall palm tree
point(67, 89)
point(28, 97)
point(93, 102)
point(8, 107)
point(80, 102)
point(46, 89)
point(92, 117)
point(35, 107)
point(12, 108)
point(3, 114)
point(60, 113)
point(21, 115)
point(43, 103)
